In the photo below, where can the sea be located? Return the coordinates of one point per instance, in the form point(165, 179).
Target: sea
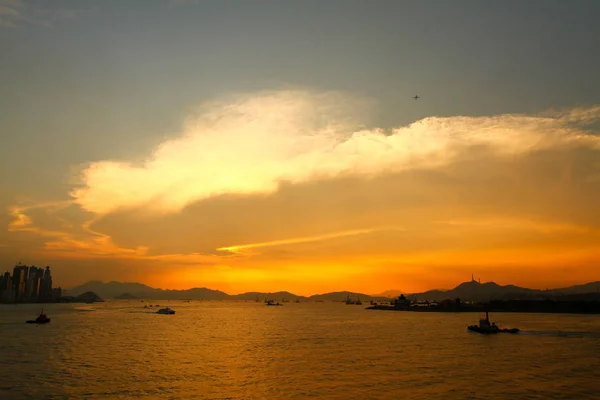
point(245, 350)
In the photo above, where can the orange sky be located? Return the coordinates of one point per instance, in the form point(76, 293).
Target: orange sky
point(285, 190)
point(183, 143)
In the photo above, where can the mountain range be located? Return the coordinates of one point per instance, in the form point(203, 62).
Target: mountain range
point(134, 290)
point(475, 291)
point(466, 291)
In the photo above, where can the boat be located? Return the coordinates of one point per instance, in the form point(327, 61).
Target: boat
point(166, 310)
point(42, 319)
point(486, 327)
point(272, 303)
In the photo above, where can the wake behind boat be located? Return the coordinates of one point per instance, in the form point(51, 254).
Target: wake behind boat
point(166, 310)
point(42, 319)
point(486, 327)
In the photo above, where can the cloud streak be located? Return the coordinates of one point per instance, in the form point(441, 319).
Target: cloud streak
point(252, 144)
point(282, 242)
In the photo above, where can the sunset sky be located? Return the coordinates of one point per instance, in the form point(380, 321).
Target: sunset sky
point(275, 145)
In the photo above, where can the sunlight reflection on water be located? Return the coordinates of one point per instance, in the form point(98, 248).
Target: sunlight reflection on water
point(244, 350)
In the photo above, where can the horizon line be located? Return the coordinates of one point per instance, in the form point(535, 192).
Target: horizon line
point(334, 291)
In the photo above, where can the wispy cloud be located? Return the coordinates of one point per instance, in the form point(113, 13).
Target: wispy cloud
point(65, 243)
point(10, 13)
point(22, 12)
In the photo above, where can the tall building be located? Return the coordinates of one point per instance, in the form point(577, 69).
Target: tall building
point(45, 292)
point(5, 281)
point(27, 284)
point(6, 293)
point(33, 285)
point(20, 273)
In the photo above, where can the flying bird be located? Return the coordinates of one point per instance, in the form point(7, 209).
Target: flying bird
point(416, 97)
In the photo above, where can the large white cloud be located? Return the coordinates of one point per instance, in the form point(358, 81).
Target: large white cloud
point(251, 143)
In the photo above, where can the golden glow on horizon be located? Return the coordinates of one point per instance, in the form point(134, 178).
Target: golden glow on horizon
point(289, 191)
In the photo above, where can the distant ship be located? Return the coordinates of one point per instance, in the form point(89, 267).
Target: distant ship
point(356, 302)
point(166, 310)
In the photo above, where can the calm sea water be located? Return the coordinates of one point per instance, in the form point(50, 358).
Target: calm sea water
point(244, 350)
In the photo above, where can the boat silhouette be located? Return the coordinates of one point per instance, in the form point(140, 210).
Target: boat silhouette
point(486, 327)
point(41, 319)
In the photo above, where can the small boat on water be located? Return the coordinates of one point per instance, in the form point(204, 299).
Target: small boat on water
point(166, 310)
point(272, 303)
point(42, 319)
point(486, 327)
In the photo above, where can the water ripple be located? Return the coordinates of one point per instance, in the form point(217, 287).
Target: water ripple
point(229, 350)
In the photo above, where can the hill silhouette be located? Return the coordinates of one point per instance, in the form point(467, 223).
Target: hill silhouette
point(138, 290)
point(133, 290)
point(466, 291)
point(475, 291)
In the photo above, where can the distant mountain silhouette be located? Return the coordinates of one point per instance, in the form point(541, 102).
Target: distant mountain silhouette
point(592, 287)
point(342, 296)
point(88, 297)
point(277, 296)
point(110, 289)
point(133, 290)
point(114, 289)
point(475, 291)
point(466, 291)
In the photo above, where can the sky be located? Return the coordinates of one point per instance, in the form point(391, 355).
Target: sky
point(270, 145)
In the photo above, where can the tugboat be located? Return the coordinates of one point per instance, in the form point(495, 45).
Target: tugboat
point(486, 327)
point(42, 319)
point(166, 310)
